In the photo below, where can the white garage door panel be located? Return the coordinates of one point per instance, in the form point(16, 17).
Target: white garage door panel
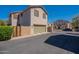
point(39, 29)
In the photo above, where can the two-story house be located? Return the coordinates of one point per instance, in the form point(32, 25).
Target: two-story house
point(33, 20)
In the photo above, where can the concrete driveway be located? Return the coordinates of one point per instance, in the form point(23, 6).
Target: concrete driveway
point(42, 44)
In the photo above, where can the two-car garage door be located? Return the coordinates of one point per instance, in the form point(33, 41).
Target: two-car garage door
point(39, 29)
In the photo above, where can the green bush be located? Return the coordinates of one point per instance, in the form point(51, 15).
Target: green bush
point(5, 32)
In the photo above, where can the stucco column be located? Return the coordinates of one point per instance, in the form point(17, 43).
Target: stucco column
point(32, 29)
point(52, 27)
point(46, 28)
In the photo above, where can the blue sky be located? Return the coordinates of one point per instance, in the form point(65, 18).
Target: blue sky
point(55, 12)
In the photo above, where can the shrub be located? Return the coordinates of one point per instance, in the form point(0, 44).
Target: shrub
point(5, 32)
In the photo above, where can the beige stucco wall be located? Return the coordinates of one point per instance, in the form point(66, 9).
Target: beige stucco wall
point(52, 26)
point(25, 18)
point(13, 20)
point(69, 25)
point(38, 20)
point(25, 30)
point(22, 31)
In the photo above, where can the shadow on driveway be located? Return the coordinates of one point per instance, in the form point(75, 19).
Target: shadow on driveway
point(67, 42)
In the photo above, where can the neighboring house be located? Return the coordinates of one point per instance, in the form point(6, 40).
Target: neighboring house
point(31, 21)
point(52, 26)
point(61, 24)
point(69, 25)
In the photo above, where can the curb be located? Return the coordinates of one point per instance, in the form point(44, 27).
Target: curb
point(20, 37)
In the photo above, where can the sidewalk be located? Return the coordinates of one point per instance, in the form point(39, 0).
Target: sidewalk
point(20, 37)
point(73, 33)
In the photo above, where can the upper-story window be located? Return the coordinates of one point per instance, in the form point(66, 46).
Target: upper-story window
point(36, 13)
point(44, 16)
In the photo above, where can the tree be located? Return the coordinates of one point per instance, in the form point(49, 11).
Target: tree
point(75, 22)
point(2, 23)
point(61, 24)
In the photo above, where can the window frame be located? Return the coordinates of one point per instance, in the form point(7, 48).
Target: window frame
point(44, 16)
point(36, 13)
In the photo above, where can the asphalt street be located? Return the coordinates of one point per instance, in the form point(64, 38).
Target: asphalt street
point(34, 45)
